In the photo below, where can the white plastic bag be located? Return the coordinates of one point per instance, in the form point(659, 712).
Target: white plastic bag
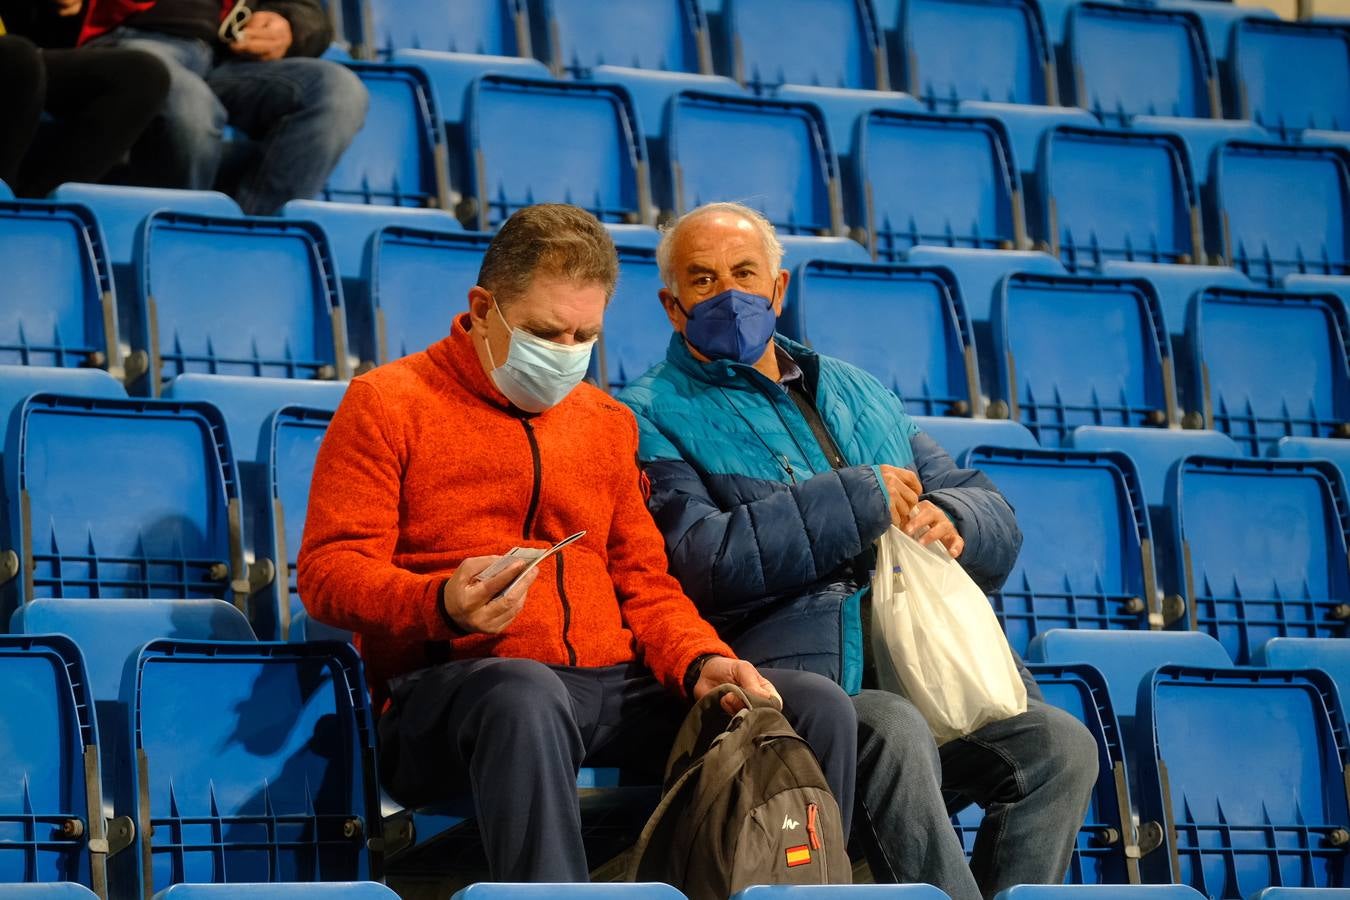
point(936, 641)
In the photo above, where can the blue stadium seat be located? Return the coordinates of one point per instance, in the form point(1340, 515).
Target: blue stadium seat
point(247, 296)
point(1027, 127)
point(833, 892)
point(1085, 559)
point(652, 91)
point(352, 890)
point(835, 307)
point(60, 307)
point(616, 891)
point(1282, 210)
point(121, 499)
point(1244, 769)
point(17, 383)
point(1323, 284)
point(1202, 136)
point(403, 261)
point(1220, 21)
point(1291, 76)
point(5, 192)
point(784, 164)
point(121, 211)
point(637, 331)
point(800, 248)
point(1097, 892)
point(1109, 194)
point(601, 165)
point(980, 272)
point(828, 43)
point(1255, 397)
point(493, 27)
point(54, 890)
point(577, 35)
point(1331, 655)
point(1333, 449)
point(1127, 61)
point(942, 180)
point(349, 227)
point(55, 830)
point(956, 435)
point(399, 157)
point(1175, 285)
point(1081, 351)
point(296, 433)
point(1248, 575)
point(257, 764)
point(634, 235)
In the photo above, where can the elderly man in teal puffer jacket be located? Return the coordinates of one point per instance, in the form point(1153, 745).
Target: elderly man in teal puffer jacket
point(772, 471)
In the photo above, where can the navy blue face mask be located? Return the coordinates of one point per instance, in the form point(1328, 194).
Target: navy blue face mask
point(734, 326)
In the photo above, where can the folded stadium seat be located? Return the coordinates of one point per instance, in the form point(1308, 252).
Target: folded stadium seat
point(1328, 654)
point(1220, 20)
point(1280, 210)
point(927, 359)
point(1027, 126)
point(1335, 138)
point(5, 192)
point(1244, 769)
point(253, 409)
point(1086, 558)
point(946, 51)
point(956, 435)
point(634, 235)
point(577, 35)
point(350, 890)
point(60, 305)
point(1202, 136)
point(55, 890)
point(1291, 76)
point(1248, 575)
point(833, 892)
point(595, 157)
point(1254, 397)
point(827, 43)
point(256, 764)
point(403, 263)
point(637, 331)
point(121, 498)
point(1110, 194)
point(486, 27)
point(783, 165)
point(1123, 892)
point(1126, 61)
point(55, 829)
point(801, 248)
point(349, 227)
point(617, 891)
point(1336, 450)
point(400, 156)
point(947, 181)
point(1081, 351)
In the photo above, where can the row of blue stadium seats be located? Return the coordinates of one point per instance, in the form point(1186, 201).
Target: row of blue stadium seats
point(1129, 529)
point(1118, 60)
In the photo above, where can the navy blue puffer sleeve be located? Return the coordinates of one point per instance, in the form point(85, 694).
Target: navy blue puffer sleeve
point(737, 543)
point(982, 514)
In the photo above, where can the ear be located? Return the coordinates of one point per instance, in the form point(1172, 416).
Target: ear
point(480, 305)
point(672, 307)
point(781, 286)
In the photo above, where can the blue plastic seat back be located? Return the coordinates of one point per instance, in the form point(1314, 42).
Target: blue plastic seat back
point(1081, 351)
point(634, 235)
point(46, 726)
point(349, 227)
point(835, 307)
point(252, 297)
point(942, 180)
point(980, 272)
point(122, 499)
point(1284, 210)
point(786, 168)
point(828, 43)
point(121, 210)
point(58, 307)
point(5, 192)
point(403, 263)
point(1134, 60)
point(843, 106)
point(352, 890)
point(451, 75)
point(667, 35)
point(1328, 654)
point(594, 159)
point(800, 248)
point(1263, 544)
point(1154, 450)
point(956, 435)
point(1175, 285)
point(296, 433)
point(257, 759)
point(1027, 127)
point(1336, 450)
point(18, 383)
point(1100, 892)
point(1084, 527)
point(1203, 136)
point(1118, 195)
point(1246, 773)
point(954, 50)
point(399, 156)
point(823, 892)
point(637, 331)
point(493, 27)
point(612, 891)
point(1327, 284)
point(652, 91)
point(1250, 394)
point(1293, 75)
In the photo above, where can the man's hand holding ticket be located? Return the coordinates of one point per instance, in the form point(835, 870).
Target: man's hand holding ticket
point(487, 592)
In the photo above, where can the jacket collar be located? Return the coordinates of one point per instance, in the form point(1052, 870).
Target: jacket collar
point(724, 373)
point(457, 357)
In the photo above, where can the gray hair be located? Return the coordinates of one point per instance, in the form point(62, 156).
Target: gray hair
point(773, 248)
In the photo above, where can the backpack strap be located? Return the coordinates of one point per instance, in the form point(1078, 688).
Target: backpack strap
point(705, 722)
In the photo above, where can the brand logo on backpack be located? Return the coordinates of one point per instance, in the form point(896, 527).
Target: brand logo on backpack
point(790, 823)
point(798, 856)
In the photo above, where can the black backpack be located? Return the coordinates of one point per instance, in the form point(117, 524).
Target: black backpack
point(745, 803)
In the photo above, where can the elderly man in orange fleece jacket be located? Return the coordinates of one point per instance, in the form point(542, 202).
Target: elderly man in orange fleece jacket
point(436, 465)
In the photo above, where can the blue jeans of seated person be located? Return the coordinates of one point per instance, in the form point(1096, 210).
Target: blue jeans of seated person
point(515, 732)
point(1033, 775)
point(303, 112)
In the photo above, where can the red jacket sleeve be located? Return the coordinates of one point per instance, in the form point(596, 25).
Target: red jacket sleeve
point(346, 572)
point(669, 631)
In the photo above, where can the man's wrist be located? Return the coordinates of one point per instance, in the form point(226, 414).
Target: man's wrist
point(455, 628)
point(695, 671)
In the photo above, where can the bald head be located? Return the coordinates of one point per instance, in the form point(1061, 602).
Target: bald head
point(725, 226)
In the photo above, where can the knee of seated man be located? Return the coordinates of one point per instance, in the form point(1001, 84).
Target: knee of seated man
point(519, 688)
point(192, 105)
point(339, 93)
point(1071, 747)
point(893, 725)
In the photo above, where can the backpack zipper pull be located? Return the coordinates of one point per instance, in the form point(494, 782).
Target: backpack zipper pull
point(811, 810)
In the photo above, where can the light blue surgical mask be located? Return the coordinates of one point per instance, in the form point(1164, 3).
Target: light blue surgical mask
point(537, 374)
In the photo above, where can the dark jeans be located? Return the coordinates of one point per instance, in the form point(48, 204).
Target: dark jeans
point(302, 112)
point(1033, 775)
point(98, 101)
point(515, 732)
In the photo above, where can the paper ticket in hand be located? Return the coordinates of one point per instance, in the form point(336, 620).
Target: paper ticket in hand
point(532, 556)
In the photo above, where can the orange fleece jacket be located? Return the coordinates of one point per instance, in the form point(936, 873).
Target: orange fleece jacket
point(426, 464)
